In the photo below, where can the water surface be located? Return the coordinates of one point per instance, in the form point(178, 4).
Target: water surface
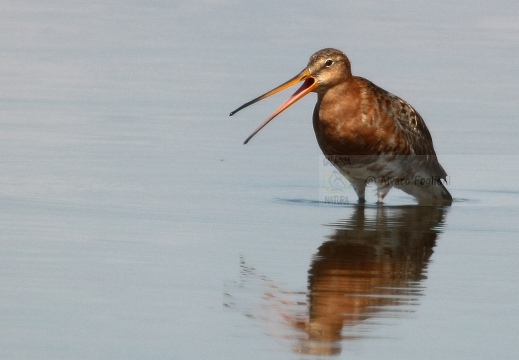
point(135, 224)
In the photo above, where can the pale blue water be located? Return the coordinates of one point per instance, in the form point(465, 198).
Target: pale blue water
point(134, 223)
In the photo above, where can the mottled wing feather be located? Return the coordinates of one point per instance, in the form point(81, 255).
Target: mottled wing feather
point(413, 126)
point(415, 131)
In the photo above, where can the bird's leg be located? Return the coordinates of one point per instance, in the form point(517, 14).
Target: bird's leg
point(382, 192)
point(359, 186)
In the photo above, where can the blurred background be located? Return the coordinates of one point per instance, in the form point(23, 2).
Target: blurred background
point(134, 223)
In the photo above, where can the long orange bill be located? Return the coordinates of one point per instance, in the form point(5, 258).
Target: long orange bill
point(308, 86)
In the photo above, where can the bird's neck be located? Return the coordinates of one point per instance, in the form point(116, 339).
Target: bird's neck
point(339, 102)
point(336, 118)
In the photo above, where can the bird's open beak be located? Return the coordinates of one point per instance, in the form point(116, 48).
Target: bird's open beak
point(309, 85)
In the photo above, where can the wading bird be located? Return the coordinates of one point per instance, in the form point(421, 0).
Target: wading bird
point(367, 133)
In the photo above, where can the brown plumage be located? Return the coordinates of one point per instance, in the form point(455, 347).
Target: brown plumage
point(369, 134)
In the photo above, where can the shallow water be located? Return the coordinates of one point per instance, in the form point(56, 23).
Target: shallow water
point(135, 224)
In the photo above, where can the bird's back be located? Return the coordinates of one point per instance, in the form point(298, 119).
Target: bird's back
point(379, 124)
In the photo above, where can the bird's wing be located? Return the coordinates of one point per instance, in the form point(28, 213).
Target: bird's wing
point(415, 131)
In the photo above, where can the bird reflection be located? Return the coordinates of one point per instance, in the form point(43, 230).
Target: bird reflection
point(368, 271)
point(371, 267)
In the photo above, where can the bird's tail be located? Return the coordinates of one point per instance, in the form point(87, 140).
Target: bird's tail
point(430, 191)
point(445, 194)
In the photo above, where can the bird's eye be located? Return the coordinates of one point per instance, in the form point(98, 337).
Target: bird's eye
point(328, 62)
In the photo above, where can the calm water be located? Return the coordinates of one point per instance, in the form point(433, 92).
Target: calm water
point(134, 223)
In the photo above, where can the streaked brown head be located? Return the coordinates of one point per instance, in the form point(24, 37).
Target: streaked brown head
point(329, 67)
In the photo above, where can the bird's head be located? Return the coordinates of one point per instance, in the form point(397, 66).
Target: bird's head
point(326, 69)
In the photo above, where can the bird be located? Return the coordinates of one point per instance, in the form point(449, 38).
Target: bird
point(370, 135)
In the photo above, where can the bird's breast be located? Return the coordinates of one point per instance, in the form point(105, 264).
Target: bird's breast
point(356, 123)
